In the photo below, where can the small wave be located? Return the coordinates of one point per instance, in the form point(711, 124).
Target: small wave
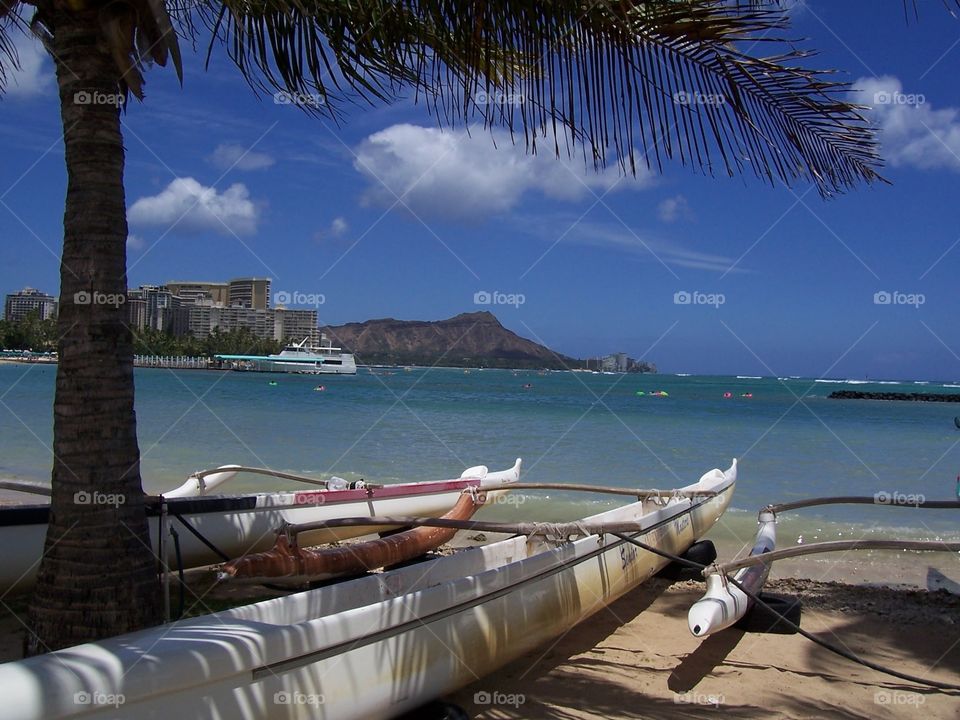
point(824, 380)
point(951, 386)
point(749, 377)
point(682, 374)
point(921, 382)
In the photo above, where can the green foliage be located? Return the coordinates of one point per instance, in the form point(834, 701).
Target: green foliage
point(234, 342)
point(31, 333)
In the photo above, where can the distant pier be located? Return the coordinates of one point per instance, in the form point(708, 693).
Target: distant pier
point(174, 362)
point(910, 397)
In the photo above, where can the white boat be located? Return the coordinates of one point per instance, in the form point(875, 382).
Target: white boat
point(301, 357)
point(369, 648)
point(239, 524)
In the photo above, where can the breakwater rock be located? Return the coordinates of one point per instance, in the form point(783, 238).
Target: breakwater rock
point(915, 397)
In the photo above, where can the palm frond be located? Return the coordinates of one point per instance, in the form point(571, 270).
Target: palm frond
point(8, 52)
point(677, 78)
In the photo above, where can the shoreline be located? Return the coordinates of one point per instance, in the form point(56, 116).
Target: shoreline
point(734, 536)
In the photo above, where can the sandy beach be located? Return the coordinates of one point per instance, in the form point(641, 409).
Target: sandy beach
point(636, 659)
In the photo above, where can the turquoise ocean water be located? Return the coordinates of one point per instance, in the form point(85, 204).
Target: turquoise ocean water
point(791, 440)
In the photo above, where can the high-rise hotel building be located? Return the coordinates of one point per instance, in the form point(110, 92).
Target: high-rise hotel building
point(29, 300)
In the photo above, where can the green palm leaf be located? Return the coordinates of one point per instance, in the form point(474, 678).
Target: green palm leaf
point(615, 75)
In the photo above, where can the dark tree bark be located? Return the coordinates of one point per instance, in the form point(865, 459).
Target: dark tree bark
point(98, 573)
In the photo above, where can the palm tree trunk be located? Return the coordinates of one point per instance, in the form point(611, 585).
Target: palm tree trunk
point(98, 573)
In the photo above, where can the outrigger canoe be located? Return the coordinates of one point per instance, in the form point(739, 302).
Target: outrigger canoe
point(374, 647)
point(214, 528)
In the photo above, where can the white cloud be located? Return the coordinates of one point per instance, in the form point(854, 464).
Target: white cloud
point(135, 242)
point(337, 228)
point(636, 242)
point(35, 76)
point(229, 156)
point(454, 174)
point(912, 132)
point(673, 208)
point(194, 207)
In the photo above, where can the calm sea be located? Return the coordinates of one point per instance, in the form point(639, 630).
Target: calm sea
point(791, 441)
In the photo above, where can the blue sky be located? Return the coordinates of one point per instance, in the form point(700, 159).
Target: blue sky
point(302, 201)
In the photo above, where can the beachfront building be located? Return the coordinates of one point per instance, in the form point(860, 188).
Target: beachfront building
point(198, 293)
point(200, 308)
point(250, 292)
point(618, 362)
point(272, 324)
point(155, 307)
point(29, 300)
point(295, 325)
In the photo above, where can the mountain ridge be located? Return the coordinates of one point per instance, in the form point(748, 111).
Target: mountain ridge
point(469, 339)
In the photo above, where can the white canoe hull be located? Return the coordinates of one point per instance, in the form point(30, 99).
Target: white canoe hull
point(369, 648)
point(242, 524)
